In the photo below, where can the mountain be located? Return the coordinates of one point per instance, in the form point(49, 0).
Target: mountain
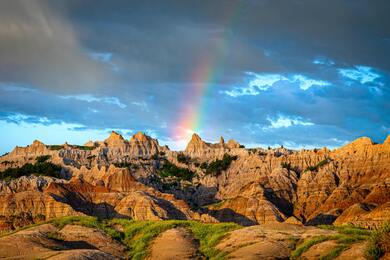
point(209, 182)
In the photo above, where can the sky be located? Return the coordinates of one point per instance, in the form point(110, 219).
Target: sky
point(299, 73)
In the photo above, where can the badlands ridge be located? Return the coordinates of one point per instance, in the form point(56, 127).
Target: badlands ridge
point(139, 179)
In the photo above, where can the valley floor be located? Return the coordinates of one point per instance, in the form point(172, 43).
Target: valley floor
point(91, 238)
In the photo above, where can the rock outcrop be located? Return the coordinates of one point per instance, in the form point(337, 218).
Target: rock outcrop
point(200, 149)
point(122, 178)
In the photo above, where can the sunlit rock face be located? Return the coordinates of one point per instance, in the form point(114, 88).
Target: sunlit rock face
point(198, 148)
point(119, 177)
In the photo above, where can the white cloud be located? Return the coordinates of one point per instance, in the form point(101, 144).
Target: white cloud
point(259, 82)
point(262, 82)
point(18, 118)
point(363, 74)
point(143, 105)
point(306, 83)
point(91, 98)
point(285, 122)
point(323, 61)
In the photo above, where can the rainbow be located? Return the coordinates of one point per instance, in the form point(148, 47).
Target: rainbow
point(202, 78)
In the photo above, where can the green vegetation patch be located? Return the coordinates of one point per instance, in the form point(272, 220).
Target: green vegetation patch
point(55, 236)
point(347, 235)
point(171, 170)
point(316, 167)
point(182, 158)
point(379, 242)
point(55, 147)
point(286, 165)
point(335, 252)
point(137, 235)
point(37, 169)
point(83, 147)
point(217, 166)
point(43, 158)
point(306, 245)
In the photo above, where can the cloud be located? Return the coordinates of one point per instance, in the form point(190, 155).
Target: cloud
point(306, 83)
point(362, 74)
point(143, 105)
point(39, 46)
point(262, 82)
point(15, 87)
point(90, 98)
point(323, 61)
point(20, 118)
point(104, 57)
point(62, 48)
point(259, 82)
point(285, 122)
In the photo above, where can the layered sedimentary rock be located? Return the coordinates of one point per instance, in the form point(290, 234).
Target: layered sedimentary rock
point(119, 177)
point(198, 148)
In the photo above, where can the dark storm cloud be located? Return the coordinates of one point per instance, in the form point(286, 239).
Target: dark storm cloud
point(128, 65)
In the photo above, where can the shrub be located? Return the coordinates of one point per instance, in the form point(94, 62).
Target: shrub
point(217, 166)
point(83, 147)
point(43, 158)
point(286, 165)
point(171, 170)
point(55, 147)
point(123, 165)
point(204, 165)
point(318, 165)
point(37, 169)
point(182, 158)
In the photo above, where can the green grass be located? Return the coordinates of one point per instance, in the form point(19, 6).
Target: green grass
point(346, 236)
point(335, 252)
point(347, 230)
point(54, 235)
point(379, 241)
point(316, 167)
point(306, 245)
point(137, 235)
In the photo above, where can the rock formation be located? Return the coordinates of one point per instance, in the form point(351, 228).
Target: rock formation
point(121, 178)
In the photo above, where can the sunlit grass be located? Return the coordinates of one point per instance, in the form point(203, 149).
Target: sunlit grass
point(137, 235)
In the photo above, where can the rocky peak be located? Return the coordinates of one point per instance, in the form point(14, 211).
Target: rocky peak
point(37, 143)
point(196, 143)
point(357, 144)
point(362, 141)
point(114, 139)
point(143, 145)
point(232, 144)
point(114, 136)
point(90, 143)
point(387, 141)
point(140, 136)
point(221, 141)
